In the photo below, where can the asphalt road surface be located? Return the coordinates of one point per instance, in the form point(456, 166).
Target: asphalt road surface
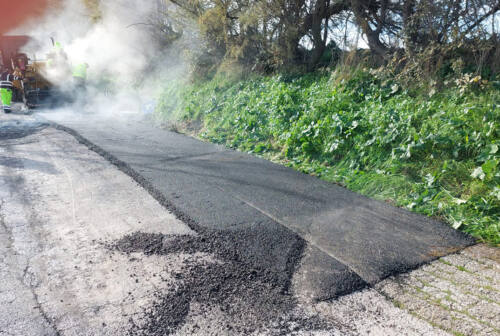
point(111, 226)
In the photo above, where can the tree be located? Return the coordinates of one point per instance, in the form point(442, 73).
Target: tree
point(285, 33)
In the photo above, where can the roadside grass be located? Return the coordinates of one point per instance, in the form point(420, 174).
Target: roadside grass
point(434, 153)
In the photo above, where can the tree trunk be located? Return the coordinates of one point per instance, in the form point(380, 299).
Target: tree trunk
point(372, 35)
point(319, 42)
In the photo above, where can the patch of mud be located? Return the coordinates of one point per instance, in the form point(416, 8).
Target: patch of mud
point(15, 129)
point(256, 298)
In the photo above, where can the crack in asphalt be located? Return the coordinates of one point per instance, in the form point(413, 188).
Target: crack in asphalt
point(52, 322)
point(186, 157)
point(4, 226)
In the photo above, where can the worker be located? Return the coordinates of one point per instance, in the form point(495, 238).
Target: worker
point(80, 75)
point(20, 62)
point(17, 84)
point(57, 57)
point(58, 69)
point(6, 87)
point(59, 52)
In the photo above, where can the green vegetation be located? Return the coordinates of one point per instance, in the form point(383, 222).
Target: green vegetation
point(437, 154)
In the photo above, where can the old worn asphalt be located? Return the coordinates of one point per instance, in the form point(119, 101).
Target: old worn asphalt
point(268, 211)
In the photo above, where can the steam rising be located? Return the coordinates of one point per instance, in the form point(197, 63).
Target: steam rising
point(125, 59)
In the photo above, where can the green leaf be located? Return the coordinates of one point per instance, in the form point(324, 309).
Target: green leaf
point(489, 167)
point(496, 193)
point(478, 173)
point(493, 148)
point(429, 179)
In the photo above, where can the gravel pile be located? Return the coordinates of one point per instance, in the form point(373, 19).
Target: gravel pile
point(256, 298)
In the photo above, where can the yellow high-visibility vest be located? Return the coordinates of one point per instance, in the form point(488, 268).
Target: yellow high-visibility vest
point(80, 71)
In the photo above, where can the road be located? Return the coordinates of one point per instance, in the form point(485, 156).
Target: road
point(111, 226)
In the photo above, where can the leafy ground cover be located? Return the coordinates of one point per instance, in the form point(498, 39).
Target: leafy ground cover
point(435, 152)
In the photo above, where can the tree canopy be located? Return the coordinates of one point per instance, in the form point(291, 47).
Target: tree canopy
point(270, 34)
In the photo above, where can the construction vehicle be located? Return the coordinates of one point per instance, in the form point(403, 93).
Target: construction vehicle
point(34, 90)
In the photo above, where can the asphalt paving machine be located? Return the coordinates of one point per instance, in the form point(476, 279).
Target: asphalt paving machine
point(34, 90)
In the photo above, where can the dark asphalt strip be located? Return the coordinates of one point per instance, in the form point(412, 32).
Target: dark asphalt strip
point(14, 130)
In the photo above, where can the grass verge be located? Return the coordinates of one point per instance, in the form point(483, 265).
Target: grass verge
point(435, 153)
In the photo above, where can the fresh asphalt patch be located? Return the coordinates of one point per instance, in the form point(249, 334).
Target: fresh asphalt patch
point(256, 217)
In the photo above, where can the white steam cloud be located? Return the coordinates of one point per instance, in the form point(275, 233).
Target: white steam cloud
point(119, 48)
